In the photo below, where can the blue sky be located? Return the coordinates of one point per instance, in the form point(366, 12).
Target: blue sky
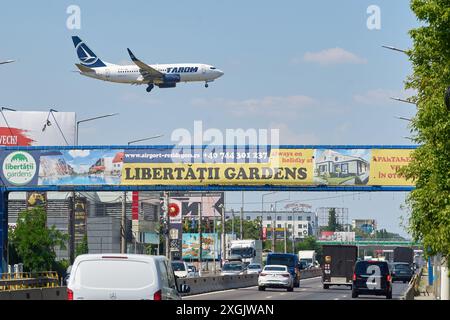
point(309, 68)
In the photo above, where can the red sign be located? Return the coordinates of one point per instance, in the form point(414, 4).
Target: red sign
point(135, 205)
point(174, 210)
point(14, 137)
point(264, 233)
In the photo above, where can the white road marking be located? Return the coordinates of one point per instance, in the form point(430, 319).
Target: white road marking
point(268, 297)
point(336, 299)
point(282, 294)
point(207, 293)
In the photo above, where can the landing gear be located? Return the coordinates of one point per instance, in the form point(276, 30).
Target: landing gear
point(206, 85)
point(150, 87)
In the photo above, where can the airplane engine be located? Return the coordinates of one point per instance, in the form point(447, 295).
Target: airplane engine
point(171, 78)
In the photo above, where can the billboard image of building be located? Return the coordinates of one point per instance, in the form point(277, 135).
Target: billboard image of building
point(342, 166)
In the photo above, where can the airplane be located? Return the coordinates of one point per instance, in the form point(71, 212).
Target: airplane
point(161, 75)
point(7, 61)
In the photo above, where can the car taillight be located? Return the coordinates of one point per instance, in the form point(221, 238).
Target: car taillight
point(286, 275)
point(69, 294)
point(389, 278)
point(262, 274)
point(157, 295)
point(354, 277)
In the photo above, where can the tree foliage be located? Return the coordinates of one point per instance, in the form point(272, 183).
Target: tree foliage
point(429, 203)
point(34, 243)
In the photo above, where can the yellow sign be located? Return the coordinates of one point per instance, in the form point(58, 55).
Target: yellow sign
point(284, 167)
point(385, 164)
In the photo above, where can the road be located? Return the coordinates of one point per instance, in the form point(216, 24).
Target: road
point(310, 289)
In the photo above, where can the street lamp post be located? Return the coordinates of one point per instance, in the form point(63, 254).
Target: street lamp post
point(223, 236)
point(262, 212)
point(91, 119)
point(123, 244)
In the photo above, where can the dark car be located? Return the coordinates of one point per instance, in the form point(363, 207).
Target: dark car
point(372, 278)
point(289, 260)
point(401, 271)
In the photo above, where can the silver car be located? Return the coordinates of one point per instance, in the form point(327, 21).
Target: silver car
point(254, 268)
point(233, 269)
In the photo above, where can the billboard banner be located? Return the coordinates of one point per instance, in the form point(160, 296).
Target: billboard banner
point(35, 128)
point(191, 245)
point(196, 167)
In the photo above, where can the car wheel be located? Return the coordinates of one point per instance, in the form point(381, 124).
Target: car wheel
point(326, 286)
point(354, 293)
point(290, 289)
point(261, 288)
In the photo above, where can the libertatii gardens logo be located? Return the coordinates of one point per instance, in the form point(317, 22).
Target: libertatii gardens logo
point(19, 168)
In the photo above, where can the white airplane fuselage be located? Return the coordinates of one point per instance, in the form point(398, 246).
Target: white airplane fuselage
point(130, 74)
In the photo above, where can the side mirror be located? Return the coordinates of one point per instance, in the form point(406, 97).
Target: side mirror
point(184, 288)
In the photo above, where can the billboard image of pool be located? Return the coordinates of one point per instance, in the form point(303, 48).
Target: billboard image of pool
point(81, 167)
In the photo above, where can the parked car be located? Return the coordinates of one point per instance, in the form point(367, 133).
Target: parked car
point(181, 269)
point(372, 278)
point(253, 268)
point(123, 277)
point(275, 276)
point(401, 271)
point(232, 269)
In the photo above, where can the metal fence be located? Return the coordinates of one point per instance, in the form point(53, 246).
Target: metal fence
point(26, 280)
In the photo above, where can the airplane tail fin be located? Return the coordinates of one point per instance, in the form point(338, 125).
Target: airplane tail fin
point(87, 57)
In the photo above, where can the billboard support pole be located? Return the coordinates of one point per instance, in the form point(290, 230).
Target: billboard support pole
point(123, 240)
point(200, 251)
point(72, 229)
point(3, 230)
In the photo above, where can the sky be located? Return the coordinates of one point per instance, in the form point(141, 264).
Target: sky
point(311, 69)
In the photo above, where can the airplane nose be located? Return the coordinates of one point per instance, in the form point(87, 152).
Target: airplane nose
point(220, 73)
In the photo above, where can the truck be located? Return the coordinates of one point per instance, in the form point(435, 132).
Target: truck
point(338, 264)
point(248, 251)
point(404, 254)
point(307, 258)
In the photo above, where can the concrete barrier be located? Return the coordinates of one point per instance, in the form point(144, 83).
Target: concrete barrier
point(57, 293)
point(218, 283)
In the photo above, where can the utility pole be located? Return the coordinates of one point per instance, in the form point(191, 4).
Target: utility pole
point(223, 237)
point(167, 226)
point(200, 249)
point(72, 229)
point(273, 232)
point(232, 222)
point(242, 217)
point(285, 238)
point(123, 239)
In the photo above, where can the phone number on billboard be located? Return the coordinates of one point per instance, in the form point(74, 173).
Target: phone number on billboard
point(236, 155)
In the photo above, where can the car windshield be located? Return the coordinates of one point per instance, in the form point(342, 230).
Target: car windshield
point(271, 268)
point(178, 266)
point(232, 267)
point(281, 259)
point(244, 252)
point(254, 266)
point(371, 267)
point(401, 267)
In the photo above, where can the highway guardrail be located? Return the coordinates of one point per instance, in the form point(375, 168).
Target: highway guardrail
point(57, 293)
point(26, 280)
point(218, 283)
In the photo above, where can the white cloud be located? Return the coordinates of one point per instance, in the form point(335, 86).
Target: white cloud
point(270, 106)
point(331, 56)
point(79, 153)
point(381, 96)
point(288, 136)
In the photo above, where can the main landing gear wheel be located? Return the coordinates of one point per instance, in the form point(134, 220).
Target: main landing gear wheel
point(150, 87)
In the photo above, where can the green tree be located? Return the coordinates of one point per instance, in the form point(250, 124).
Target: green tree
point(82, 247)
point(333, 224)
point(429, 169)
point(34, 242)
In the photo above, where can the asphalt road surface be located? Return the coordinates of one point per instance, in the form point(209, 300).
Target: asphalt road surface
point(310, 289)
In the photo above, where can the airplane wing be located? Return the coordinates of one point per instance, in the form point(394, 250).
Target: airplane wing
point(148, 72)
point(7, 61)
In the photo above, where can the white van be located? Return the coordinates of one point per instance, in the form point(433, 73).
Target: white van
point(123, 277)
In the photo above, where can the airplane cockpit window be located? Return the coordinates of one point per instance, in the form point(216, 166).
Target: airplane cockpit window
point(213, 68)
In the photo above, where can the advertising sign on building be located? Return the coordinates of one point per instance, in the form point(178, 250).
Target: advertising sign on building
point(191, 245)
point(25, 128)
point(166, 166)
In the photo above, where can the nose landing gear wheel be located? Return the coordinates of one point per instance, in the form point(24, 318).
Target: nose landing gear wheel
point(150, 87)
point(206, 85)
